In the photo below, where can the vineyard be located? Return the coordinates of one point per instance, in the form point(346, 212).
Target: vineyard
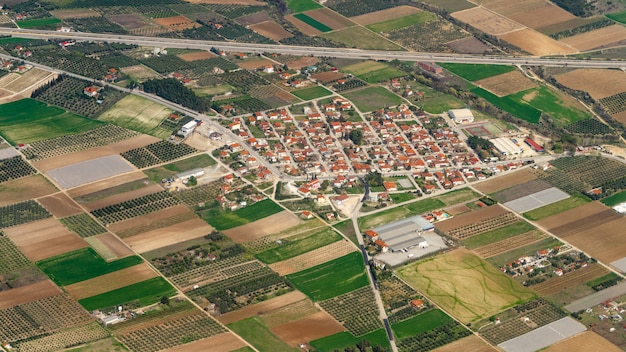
point(350, 84)
point(243, 79)
point(64, 339)
point(594, 170)
point(244, 104)
point(135, 207)
point(157, 153)
point(396, 295)
point(83, 225)
point(431, 339)
point(234, 11)
point(12, 259)
point(483, 226)
point(204, 271)
point(96, 25)
point(14, 168)
point(356, 310)
point(615, 103)
point(563, 181)
point(22, 213)
point(503, 246)
point(588, 126)
point(97, 137)
point(350, 8)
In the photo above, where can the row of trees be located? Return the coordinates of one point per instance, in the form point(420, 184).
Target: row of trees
point(173, 90)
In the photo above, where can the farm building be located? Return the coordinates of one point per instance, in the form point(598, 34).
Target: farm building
point(431, 67)
point(183, 176)
point(507, 147)
point(536, 147)
point(461, 115)
point(405, 233)
point(187, 128)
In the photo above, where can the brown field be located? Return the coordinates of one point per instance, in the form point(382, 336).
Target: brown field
point(198, 55)
point(118, 198)
point(583, 342)
point(229, 2)
point(521, 190)
point(225, 342)
point(25, 188)
point(77, 157)
point(111, 281)
point(52, 247)
point(140, 72)
point(253, 64)
point(328, 76)
point(166, 236)
point(505, 181)
point(509, 244)
point(20, 295)
point(289, 313)
point(330, 18)
point(8, 78)
point(531, 13)
point(559, 283)
point(109, 246)
point(313, 258)
point(298, 62)
point(271, 29)
point(302, 27)
point(621, 117)
point(604, 242)
point(599, 38)
point(129, 21)
point(579, 219)
point(266, 226)
point(536, 43)
point(177, 23)
point(105, 184)
point(254, 18)
point(262, 307)
point(60, 205)
point(74, 13)
point(487, 21)
point(506, 83)
point(385, 15)
point(457, 209)
point(28, 79)
point(313, 327)
point(143, 223)
point(468, 45)
point(471, 343)
point(471, 218)
point(599, 83)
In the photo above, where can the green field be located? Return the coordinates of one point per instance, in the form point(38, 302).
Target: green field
point(614, 199)
point(476, 72)
point(311, 93)
point(341, 340)
point(457, 196)
point(373, 98)
point(618, 16)
point(514, 107)
point(420, 323)
point(80, 265)
point(386, 216)
point(29, 120)
point(302, 5)
point(361, 38)
point(401, 197)
point(402, 22)
point(251, 213)
point(146, 292)
point(139, 114)
point(555, 208)
point(291, 249)
point(374, 71)
point(332, 278)
point(500, 234)
point(47, 22)
point(313, 22)
point(213, 90)
point(556, 104)
point(258, 335)
point(158, 173)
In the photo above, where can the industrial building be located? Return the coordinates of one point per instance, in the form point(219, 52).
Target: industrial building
point(461, 115)
point(507, 147)
point(405, 233)
point(184, 176)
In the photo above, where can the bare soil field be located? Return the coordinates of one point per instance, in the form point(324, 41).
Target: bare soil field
point(77, 157)
point(468, 45)
point(521, 190)
point(8, 78)
point(470, 218)
point(266, 226)
point(271, 29)
point(313, 327)
point(298, 62)
point(52, 247)
point(25, 188)
point(74, 13)
point(28, 79)
point(457, 209)
point(487, 21)
point(330, 18)
point(509, 244)
point(599, 83)
point(313, 258)
point(580, 276)
point(471, 343)
point(585, 341)
point(536, 43)
point(621, 117)
point(177, 23)
point(506, 83)
point(143, 223)
point(499, 183)
point(118, 198)
point(229, 2)
point(225, 342)
point(302, 27)
point(253, 64)
point(111, 281)
point(385, 15)
point(16, 296)
point(169, 235)
point(195, 56)
point(531, 13)
point(110, 244)
point(262, 307)
point(60, 205)
point(328, 76)
point(140, 72)
point(578, 219)
point(604, 242)
point(35, 232)
point(105, 184)
point(599, 38)
point(254, 18)
point(289, 313)
point(130, 21)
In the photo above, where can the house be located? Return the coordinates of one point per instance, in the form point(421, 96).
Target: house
point(390, 186)
point(558, 272)
point(297, 84)
point(431, 67)
point(372, 235)
point(417, 304)
point(306, 215)
point(383, 246)
point(543, 253)
point(340, 199)
point(305, 192)
point(91, 91)
point(268, 69)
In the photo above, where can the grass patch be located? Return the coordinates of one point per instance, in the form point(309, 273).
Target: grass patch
point(139, 114)
point(555, 208)
point(373, 98)
point(510, 105)
point(476, 72)
point(311, 93)
point(291, 249)
point(401, 22)
point(498, 234)
point(362, 38)
point(552, 103)
point(457, 196)
point(313, 22)
point(29, 120)
point(618, 16)
point(341, 340)
point(347, 228)
point(402, 197)
point(420, 323)
point(602, 279)
point(145, 292)
point(302, 5)
point(251, 213)
point(80, 265)
point(332, 278)
point(47, 22)
point(374, 71)
point(257, 334)
point(156, 174)
point(614, 199)
point(212, 90)
point(398, 213)
point(451, 5)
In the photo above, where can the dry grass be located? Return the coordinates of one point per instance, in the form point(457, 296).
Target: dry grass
point(385, 15)
point(600, 83)
point(487, 21)
point(25, 188)
point(585, 341)
point(507, 83)
point(536, 43)
point(599, 38)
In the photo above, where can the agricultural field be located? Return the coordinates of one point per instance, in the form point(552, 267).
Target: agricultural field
point(361, 38)
point(257, 334)
point(437, 103)
point(302, 5)
point(520, 190)
point(556, 208)
point(506, 83)
point(138, 114)
point(476, 222)
point(144, 292)
point(60, 205)
point(374, 71)
point(271, 30)
point(158, 173)
point(135, 207)
point(512, 106)
point(311, 93)
point(584, 341)
point(401, 22)
point(330, 18)
point(598, 38)
point(343, 340)
point(511, 243)
point(65, 338)
point(614, 199)
point(140, 73)
point(559, 106)
point(487, 21)
point(22, 213)
point(157, 153)
point(572, 279)
point(83, 225)
point(249, 214)
point(12, 259)
point(476, 72)
point(332, 278)
point(585, 168)
point(536, 43)
point(373, 98)
point(457, 292)
point(351, 8)
point(40, 23)
point(432, 36)
point(355, 310)
point(313, 258)
point(13, 169)
point(420, 323)
point(397, 213)
point(313, 22)
point(296, 245)
point(500, 234)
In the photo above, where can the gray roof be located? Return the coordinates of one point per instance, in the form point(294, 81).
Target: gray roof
point(404, 233)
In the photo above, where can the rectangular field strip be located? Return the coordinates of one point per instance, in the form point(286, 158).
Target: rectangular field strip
point(11, 259)
point(14, 168)
point(509, 244)
point(22, 213)
point(356, 310)
point(65, 338)
point(578, 277)
point(157, 153)
point(83, 225)
point(483, 226)
point(135, 207)
point(145, 293)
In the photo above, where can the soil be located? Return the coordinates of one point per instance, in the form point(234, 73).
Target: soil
point(25, 188)
point(469, 45)
point(313, 258)
point(30, 78)
point(330, 18)
point(385, 15)
point(457, 209)
point(521, 190)
point(177, 23)
point(599, 83)
point(29, 293)
point(507, 83)
point(621, 117)
point(302, 27)
point(328, 76)
point(468, 344)
point(254, 18)
point(200, 55)
point(473, 217)
point(531, 13)
point(599, 38)
point(117, 248)
point(118, 198)
point(60, 205)
point(271, 30)
point(131, 225)
point(52, 247)
point(313, 327)
point(140, 72)
point(577, 219)
point(111, 281)
point(298, 62)
point(129, 21)
point(604, 242)
point(253, 64)
point(536, 43)
point(105, 184)
point(34, 232)
point(219, 343)
point(505, 181)
point(262, 307)
point(266, 226)
point(169, 235)
point(74, 13)
point(509, 244)
point(487, 21)
point(585, 341)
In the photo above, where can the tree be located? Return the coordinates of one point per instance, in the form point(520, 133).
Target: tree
point(356, 136)
point(192, 181)
point(374, 179)
point(165, 300)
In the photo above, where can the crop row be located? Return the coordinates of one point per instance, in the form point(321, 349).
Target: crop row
point(243, 79)
point(203, 194)
point(135, 207)
point(209, 272)
point(594, 170)
point(351, 8)
point(350, 84)
point(156, 11)
point(429, 36)
point(83, 225)
point(563, 181)
point(483, 226)
point(431, 339)
point(356, 310)
point(14, 168)
point(241, 105)
point(12, 259)
point(64, 339)
point(157, 153)
point(97, 137)
point(98, 24)
point(68, 61)
point(588, 126)
point(397, 296)
point(615, 103)
point(22, 213)
point(234, 11)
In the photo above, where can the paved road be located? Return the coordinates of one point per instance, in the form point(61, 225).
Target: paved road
point(314, 51)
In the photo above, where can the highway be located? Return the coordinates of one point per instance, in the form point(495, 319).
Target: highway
point(314, 51)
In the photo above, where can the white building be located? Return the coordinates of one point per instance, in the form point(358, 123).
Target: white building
point(461, 115)
point(507, 147)
point(183, 176)
point(187, 128)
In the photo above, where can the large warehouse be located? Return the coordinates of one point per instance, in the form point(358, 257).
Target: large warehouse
point(461, 115)
point(506, 146)
point(405, 233)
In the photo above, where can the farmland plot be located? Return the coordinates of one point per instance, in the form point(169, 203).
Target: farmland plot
point(359, 37)
point(536, 43)
point(65, 338)
point(476, 222)
point(60, 205)
point(13, 169)
point(355, 310)
point(22, 213)
point(111, 281)
point(313, 258)
point(268, 308)
point(135, 207)
point(507, 83)
point(138, 114)
point(88, 171)
point(599, 38)
point(599, 83)
point(487, 21)
point(571, 279)
point(385, 15)
point(271, 30)
point(309, 328)
point(109, 247)
point(142, 293)
point(29, 293)
point(532, 13)
point(165, 236)
point(585, 341)
point(157, 153)
point(263, 227)
point(509, 244)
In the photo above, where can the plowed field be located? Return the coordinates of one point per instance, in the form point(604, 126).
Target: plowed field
point(271, 29)
point(262, 307)
point(266, 226)
point(313, 258)
point(499, 183)
point(110, 282)
point(536, 43)
point(600, 83)
point(468, 344)
point(60, 205)
point(166, 236)
point(29, 293)
point(25, 188)
point(487, 21)
point(310, 328)
point(509, 244)
point(219, 343)
point(507, 83)
point(586, 341)
point(599, 38)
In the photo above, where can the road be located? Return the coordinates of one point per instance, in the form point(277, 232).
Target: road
point(314, 51)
